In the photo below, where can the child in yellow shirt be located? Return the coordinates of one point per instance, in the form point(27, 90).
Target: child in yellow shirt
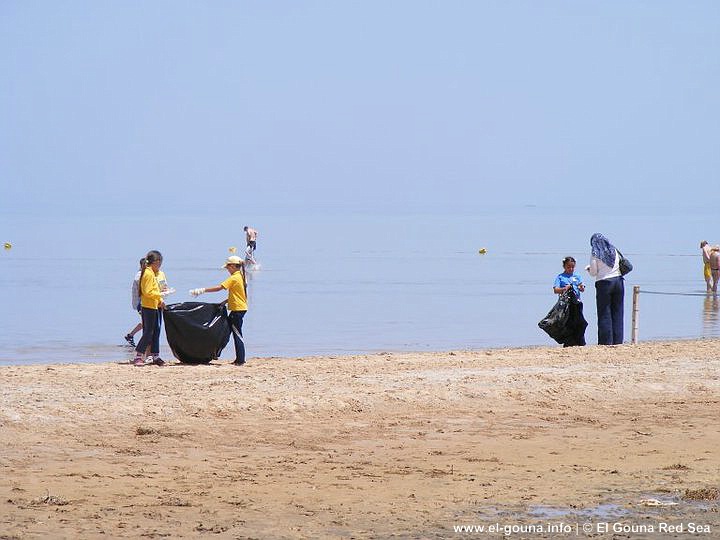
point(237, 302)
point(151, 304)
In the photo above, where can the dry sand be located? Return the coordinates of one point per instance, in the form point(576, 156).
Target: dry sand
point(373, 446)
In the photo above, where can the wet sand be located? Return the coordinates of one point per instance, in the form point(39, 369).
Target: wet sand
point(388, 445)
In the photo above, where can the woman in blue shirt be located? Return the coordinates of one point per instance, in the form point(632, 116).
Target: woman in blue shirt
point(576, 323)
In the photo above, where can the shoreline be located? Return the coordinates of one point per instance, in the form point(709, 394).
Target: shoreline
point(363, 446)
point(128, 352)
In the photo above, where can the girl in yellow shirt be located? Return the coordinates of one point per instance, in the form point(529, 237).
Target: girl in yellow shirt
point(237, 302)
point(151, 302)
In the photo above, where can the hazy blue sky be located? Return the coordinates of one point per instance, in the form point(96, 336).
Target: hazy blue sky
point(421, 104)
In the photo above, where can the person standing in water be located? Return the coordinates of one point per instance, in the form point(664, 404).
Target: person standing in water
point(251, 241)
point(715, 267)
point(707, 272)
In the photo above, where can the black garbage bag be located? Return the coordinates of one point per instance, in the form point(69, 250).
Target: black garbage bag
point(565, 322)
point(197, 332)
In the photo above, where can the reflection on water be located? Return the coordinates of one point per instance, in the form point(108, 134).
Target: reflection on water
point(711, 307)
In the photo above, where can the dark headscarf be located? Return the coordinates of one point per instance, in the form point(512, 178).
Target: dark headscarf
point(602, 249)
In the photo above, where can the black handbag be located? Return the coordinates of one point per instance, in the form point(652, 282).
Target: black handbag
point(625, 264)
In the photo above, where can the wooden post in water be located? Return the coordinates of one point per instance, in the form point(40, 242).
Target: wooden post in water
point(635, 309)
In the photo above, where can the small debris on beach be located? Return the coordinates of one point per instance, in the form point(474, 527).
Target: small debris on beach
point(676, 467)
point(51, 500)
point(702, 494)
point(656, 502)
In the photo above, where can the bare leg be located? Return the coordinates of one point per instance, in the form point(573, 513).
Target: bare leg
point(129, 337)
point(135, 330)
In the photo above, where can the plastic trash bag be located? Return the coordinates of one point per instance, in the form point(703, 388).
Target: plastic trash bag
point(197, 332)
point(565, 322)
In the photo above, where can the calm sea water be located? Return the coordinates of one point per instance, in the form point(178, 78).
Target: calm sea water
point(346, 282)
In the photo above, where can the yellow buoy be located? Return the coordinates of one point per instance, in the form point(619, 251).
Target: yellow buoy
point(7, 245)
point(232, 249)
point(482, 251)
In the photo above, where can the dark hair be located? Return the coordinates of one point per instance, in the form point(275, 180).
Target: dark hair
point(568, 260)
point(151, 257)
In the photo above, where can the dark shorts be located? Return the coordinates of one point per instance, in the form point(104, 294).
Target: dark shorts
point(252, 244)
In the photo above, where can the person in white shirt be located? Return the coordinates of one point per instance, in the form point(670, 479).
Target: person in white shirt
point(135, 301)
point(609, 289)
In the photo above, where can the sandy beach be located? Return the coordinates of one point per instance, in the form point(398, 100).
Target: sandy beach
point(389, 445)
